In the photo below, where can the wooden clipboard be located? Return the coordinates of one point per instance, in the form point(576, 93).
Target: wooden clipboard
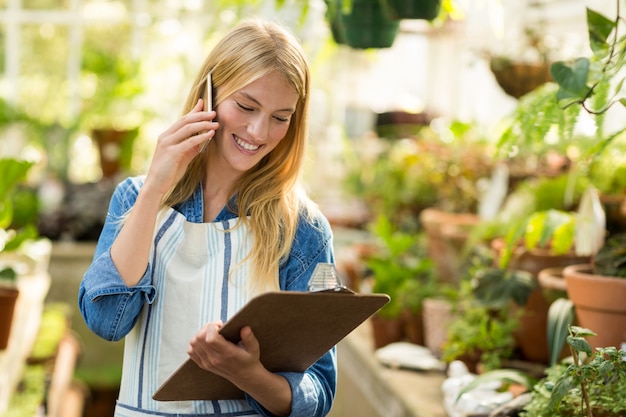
point(294, 330)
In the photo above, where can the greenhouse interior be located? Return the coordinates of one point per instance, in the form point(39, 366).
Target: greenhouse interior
point(467, 156)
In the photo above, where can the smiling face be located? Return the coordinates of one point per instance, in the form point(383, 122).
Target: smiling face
point(253, 120)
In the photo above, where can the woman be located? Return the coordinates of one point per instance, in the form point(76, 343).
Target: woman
point(187, 245)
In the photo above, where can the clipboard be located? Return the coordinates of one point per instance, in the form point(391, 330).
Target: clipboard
point(294, 329)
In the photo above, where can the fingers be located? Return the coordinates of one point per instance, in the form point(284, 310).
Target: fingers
point(192, 123)
point(248, 341)
point(209, 349)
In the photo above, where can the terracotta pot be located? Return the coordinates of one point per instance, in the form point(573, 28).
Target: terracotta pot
point(551, 279)
point(115, 147)
point(413, 327)
point(446, 235)
point(386, 330)
point(101, 401)
point(599, 304)
point(8, 298)
point(531, 336)
point(436, 314)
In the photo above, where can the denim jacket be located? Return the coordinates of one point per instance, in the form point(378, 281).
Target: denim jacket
point(110, 308)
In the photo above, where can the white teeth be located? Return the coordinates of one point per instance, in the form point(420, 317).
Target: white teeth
point(246, 145)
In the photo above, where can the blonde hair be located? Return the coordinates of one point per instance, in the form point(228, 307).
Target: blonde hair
point(268, 196)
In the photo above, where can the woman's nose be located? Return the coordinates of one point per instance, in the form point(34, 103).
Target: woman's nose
point(258, 127)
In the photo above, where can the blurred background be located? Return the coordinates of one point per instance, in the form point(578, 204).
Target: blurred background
point(411, 114)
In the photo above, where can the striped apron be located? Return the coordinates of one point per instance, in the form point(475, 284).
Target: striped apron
point(199, 275)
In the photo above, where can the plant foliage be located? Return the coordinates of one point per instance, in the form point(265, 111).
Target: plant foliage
point(12, 173)
point(582, 77)
point(592, 384)
point(399, 269)
point(611, 258)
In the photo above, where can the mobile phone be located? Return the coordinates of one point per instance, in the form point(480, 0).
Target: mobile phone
point(208, 94)
point(208, 103)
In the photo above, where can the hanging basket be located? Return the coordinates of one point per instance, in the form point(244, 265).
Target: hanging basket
point(412, 9)
point(520, 78)
point(365, 26)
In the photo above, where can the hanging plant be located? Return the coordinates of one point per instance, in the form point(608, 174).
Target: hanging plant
point(412, 9)
point(361, 24)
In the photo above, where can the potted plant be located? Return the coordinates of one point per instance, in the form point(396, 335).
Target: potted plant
point(400, 271)
point(412, 9)
point(584, 84)
point(588, 383)
point(591, 385)
point(480, 337)
point(488, 293)
point(361, 24)
point(111, 83)
point(597, 290)
point(8, 297)
point(537, 230)
point(527, 68)
point(608, 174)
point(12, 172)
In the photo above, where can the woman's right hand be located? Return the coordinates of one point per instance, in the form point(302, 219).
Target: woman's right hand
point(177, 146)
point(175, 149)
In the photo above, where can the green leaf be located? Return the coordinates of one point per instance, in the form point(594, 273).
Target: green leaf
point(495, 288)
point(559, 390)
point(579, 344)
point(562, 231)
point(535, 230)
point(582, 332)
point(599, 27)
point(560, 317)
point(6, 214)
point(571, 78)
point(554, 228)
point(512, 376)
point(26, 233)
point(8, 274)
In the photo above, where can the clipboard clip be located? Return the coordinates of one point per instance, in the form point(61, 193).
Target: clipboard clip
point(325, 278)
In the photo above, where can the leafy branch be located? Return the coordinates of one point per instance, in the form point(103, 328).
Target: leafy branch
point(588, 376)
point(579, 79)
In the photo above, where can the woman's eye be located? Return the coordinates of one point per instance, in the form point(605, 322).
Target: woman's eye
point(282, 119)
point(242, 107)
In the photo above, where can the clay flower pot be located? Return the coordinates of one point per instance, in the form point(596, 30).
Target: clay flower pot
point(8, 297)
point(599, 304)
point(531, 336)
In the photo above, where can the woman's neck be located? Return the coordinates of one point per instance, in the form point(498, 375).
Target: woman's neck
point(217, 190)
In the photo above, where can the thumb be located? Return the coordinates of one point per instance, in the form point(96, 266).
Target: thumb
point(248, 341)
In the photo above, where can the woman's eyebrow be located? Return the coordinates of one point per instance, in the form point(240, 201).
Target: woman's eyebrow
point(249, 97)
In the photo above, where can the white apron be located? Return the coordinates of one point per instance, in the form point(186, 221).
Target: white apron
point(190, 269)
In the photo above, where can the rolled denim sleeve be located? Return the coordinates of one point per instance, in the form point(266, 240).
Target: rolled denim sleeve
point(109, 307)
point(313, 390)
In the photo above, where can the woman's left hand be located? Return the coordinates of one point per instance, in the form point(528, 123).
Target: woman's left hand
point(235, 362)
point(240, 363)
